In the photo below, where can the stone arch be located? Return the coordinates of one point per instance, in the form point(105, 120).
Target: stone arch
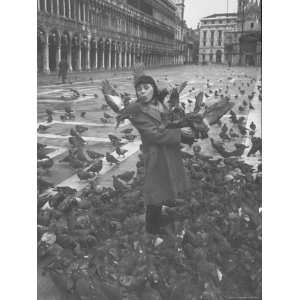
point(93, 53)
point(106, 53)
point(75, 47)
point(65, 45)
point(41, 43)
point(84, 52)
point(113, 54)
point(218, 56)
point(53, 43)
point(100, 52)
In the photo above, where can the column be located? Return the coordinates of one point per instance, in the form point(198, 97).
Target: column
point(84, 17)
point(57, 5)
point(51, 5)
point(69, 56)
point(115, 58)
point(102, 56)
point(109, 55)
point(120, 58)
point(125, 58)
point(38, 2)
point(45, 5)
point(70, 9)
point(58, 55)
point(46, 54)
point(88, 55)
point(64, 8)
point(79, 57)
point(96, 57)
point(133, 58)
point(129, 62)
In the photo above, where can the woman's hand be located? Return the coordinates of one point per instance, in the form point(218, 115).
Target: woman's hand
point(187, 136)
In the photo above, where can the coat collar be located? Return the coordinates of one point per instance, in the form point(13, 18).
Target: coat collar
point(151, 112)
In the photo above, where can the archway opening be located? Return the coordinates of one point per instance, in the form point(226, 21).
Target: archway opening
point(75, 52)
point(84, 45)
point(219, 56)
point(53, 50)
point(40, 50)
point(65, 44)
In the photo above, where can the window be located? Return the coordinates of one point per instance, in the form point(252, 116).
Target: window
point(61, 7)
point(204, 42)
point(212, 22)
point(252, 25)
point(220, 37)
point(220, 21)
point(42, 4)
point(210, 57)
point(212, 36)
point(203, 57)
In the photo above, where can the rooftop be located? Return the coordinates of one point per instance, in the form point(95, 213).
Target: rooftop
point(224, 15)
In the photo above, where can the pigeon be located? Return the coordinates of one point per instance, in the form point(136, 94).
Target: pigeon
point(224, 136)
point(259, 97)
point(118, 185)
point(241, 108)
point(41, 154)
point(49, 112)
point(82, 114)
point(256, 145)
point(63, 117)
point(196, 149)
point(220, 148)
point(252, 126)
point(130, 137)
point(68, 110)
point(42, 128)
point(251, 106)
point(114, 138)
point(224, 128)
point(104, 121)
point(233, 134)
point(245, 103)
point(41, 146)
point(81, 155)
point(49, 119)
point(76, 163)
point(45, 164)
point(198, 102)
point(243, 130)
point(84, 175)
point(80, 129)
point(94, 155)
point(107, 116)
point(96, 167)
point(233, 117)
point(104, 106)
point(43, 184)
point(68, 157)
point(121, 152)
point(75, 134)
point(111, 159)
point(127, 130)
point(75, 142)
point(126, 176)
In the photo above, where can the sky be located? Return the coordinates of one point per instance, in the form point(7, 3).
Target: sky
point(197, 9)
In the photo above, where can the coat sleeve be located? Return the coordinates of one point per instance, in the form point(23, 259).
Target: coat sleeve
point(154, 134)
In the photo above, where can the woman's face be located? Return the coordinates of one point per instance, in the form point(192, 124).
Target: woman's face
point(145, 92)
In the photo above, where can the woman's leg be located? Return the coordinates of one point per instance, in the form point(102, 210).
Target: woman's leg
point(153, 219)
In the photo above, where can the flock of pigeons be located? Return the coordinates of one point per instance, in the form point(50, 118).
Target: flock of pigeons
point(88, 163)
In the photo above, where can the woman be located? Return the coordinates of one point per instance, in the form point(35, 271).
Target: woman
point(165, 176)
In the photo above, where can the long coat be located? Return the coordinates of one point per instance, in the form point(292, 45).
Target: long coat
point(165, 176)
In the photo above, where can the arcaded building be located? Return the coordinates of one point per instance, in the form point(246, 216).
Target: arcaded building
point(105, 34)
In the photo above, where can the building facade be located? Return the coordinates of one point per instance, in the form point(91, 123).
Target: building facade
point(105, 34)
point(180, 32)
point(211, 38)
point(243, 44)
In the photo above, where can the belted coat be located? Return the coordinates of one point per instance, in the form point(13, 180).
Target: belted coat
point(165, 176)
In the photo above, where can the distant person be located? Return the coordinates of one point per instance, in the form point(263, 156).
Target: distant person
point(63, 70)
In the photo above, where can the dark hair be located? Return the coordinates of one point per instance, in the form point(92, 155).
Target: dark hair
point(144, 79)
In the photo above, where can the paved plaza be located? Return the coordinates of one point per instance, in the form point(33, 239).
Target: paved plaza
point(54, 96)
